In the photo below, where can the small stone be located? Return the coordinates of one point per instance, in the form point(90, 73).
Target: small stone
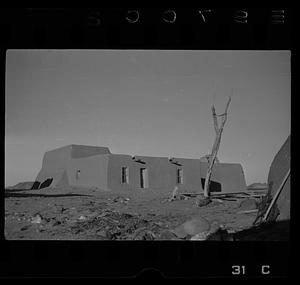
point(102, 215)
point(160, 224)
point(166, 235)
point(24, 228)
point(37, 219)
point(82, 218)
point(192, 227)
point(200, 236)
point(202, 201)
point(215, 226)
point(56, 223)
point(103, 233)
point(149, 235)
point(248, 204)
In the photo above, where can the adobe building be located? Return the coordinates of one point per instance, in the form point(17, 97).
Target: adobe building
point(90, 166)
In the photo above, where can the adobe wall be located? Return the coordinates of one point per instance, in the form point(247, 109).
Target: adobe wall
point(115, 163)
point(79, 151)
point(54, 164)
point(229, 175)
point(93, 171)
point(279, 168)
point(58, 163)
point(191, 174)
point(161, 173)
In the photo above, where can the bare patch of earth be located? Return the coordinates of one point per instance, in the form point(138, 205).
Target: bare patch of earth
point(90, 214)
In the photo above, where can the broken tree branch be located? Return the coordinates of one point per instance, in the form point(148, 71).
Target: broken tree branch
point(215, 119)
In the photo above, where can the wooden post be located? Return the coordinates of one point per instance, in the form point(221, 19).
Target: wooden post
point(216, 145)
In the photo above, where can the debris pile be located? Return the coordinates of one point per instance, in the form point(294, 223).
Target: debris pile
point(112, 225)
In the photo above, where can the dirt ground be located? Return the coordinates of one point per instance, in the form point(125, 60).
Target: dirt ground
point(89, 214)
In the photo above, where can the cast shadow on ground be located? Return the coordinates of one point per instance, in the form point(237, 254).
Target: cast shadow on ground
point(8, 194)
point(273, 231)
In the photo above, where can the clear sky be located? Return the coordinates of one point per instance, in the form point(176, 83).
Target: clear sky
point(146, 102)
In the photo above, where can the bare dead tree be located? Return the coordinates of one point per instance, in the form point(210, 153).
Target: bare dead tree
point(216, 145)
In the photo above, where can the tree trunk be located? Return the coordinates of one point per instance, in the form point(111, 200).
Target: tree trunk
point(216, 146)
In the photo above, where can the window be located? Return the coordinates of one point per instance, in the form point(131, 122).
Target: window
point(125, 175)
point(179, 176)
point(144, 178)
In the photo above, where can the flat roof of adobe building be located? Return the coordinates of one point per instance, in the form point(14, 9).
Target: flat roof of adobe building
point(106, 151)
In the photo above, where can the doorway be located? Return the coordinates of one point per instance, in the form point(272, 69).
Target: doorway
point(144, 178)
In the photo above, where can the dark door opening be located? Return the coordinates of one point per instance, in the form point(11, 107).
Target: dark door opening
point(214, 186)
point(35, 185)
point(125, 175)
point(144, 178)
point(179, 179)
point(46, 183)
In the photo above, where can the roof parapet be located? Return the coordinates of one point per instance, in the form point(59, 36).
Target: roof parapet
point(136, 159)
point(172, 160)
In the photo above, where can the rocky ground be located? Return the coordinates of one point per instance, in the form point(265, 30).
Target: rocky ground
point(68, 214)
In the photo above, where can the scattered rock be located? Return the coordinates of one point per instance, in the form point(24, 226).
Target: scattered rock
point(25, 227)
point(59, 209)
point(56, 223)
point(192, 227)
point(120, 200)
point(82, 218)
point(200, 236)
point(104, 234)
point(160, 224)
point(167, 235)
point(39, 230)
point(214, 227)
point(75, 230)
point(92, 215)
point(202, 201)
point(149, 235)
point(102, 215)
point(143, 234)
point(37, 219)
point(248, 204)
point(221, 235)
